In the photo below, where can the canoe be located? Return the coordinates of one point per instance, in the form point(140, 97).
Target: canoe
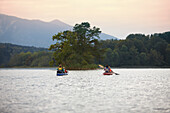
point(107, 73)
point(62, 74)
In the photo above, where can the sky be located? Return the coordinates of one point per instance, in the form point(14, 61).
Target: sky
point(114, 17)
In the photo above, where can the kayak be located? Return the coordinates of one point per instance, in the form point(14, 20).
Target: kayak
point(107, 73)
point(61, 74)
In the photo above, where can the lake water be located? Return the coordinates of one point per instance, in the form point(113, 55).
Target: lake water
point(41, 91)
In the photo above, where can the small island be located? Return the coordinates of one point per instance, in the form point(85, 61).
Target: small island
point(78, 49)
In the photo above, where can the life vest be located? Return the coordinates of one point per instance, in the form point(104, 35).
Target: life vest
point(107, 69)
point(60, 69)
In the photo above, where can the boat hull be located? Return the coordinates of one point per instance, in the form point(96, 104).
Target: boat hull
point(107, 73)
point(62, 74)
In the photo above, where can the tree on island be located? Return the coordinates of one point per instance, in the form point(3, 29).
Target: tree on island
point(77, 49)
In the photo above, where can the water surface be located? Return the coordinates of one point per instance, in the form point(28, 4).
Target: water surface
point(41, 91)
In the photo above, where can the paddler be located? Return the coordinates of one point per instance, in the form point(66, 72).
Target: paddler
point(108, 69)
point(65, 71)
point(60, 69)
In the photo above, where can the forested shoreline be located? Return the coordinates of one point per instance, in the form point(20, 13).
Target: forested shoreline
point(12, 55)
point(137, 50)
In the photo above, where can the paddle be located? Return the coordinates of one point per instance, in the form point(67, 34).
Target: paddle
point(111, 70)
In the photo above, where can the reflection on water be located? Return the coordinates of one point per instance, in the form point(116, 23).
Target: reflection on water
point(40, 90)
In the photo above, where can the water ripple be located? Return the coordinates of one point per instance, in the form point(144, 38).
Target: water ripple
point(40, 90)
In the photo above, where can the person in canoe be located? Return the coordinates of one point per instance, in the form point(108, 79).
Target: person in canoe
point(60, 69)
point(65, 71)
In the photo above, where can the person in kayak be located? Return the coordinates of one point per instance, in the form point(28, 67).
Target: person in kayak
point(60, 69)
point(108, 69)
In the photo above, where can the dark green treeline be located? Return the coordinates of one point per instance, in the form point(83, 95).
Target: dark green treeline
point(28, 59)
point(138, 50)
point(23, 56)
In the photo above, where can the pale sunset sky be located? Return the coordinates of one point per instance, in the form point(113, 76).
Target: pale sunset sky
point(115, 17)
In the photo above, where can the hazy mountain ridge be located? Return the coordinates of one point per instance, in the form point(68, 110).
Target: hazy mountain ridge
point(32, 32)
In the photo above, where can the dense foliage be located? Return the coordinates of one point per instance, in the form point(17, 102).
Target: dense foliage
point(11, 52)
point(77, 49)
point(28, 59)
point(81, 50)
point(138, 50)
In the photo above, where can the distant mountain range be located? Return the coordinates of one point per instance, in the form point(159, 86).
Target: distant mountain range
point(33, 32)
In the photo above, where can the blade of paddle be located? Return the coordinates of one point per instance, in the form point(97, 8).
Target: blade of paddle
point(101, 66)
point(116, 73)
